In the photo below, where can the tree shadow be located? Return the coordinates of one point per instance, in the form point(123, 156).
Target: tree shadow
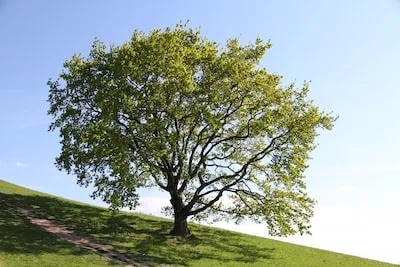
point(142, 238)
point(19, 236)
point(183, 250)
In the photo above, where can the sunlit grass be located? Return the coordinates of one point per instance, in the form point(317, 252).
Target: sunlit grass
point(144, 238)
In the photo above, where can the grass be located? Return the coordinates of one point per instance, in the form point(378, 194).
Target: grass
point(142, 237)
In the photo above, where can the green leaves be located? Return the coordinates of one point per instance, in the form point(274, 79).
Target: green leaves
point(204, 123)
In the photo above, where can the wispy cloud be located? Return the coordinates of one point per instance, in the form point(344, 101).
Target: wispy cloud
point(152, 204)
point(20, 164)
point(363, 170)
point(347, 188)
point(341, 229)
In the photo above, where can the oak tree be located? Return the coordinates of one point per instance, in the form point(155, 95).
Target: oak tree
point(204, 122)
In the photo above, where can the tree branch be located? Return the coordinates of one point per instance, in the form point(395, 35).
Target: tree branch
point(241, 173)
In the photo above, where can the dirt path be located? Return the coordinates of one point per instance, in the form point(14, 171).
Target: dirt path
point(62, 232)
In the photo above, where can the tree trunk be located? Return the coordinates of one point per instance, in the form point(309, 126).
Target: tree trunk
point(180, 222)
point(180, 227)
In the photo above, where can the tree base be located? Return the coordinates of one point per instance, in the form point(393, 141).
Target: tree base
point(180, 232)
point(180, 219)
point(180, 228)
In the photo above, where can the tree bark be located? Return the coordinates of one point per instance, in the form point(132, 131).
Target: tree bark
point(180, 227)
point(180, 218)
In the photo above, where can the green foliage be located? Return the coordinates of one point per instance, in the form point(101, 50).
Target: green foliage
point(142, 238)
point(204, 123)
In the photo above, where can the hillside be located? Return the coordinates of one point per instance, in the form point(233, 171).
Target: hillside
point(141, 238)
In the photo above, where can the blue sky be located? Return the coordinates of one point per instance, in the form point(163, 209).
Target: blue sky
point(349, 49)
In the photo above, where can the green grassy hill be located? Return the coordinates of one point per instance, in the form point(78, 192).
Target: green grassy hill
point(143, 238)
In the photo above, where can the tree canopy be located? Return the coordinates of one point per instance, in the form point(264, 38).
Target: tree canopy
point(204, 122)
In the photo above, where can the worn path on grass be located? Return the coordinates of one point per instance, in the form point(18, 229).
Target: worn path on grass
point(64, 233)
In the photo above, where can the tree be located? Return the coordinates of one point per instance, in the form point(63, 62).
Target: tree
point(205, 123)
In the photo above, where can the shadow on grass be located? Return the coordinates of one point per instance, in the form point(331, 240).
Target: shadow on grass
point(19, 236)
point(141, 237)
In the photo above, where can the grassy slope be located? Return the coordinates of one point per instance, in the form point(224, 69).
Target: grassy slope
point(144, 237)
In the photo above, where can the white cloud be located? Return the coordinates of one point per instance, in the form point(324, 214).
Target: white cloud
point(20, 164)
point(347, 188)
point(227, 201)
point(369, 232)
point(366, 233)
point(361, 170)
point(152, 205)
